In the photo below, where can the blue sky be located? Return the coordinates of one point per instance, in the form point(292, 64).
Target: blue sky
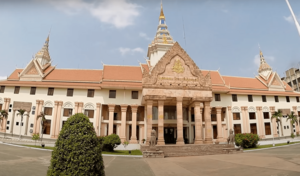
point(220, 34)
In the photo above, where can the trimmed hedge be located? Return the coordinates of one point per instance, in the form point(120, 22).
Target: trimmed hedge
point(110, 142)
point(246, 140)
point(77, 149)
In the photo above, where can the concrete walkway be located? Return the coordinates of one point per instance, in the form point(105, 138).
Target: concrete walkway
point(18, 161)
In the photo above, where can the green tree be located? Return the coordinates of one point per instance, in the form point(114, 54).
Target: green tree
point(77, 150)
point(293, 120)
point(35, 137)
point(277, 116)
point(43, 122)
point(21, 112)
point(4, 115)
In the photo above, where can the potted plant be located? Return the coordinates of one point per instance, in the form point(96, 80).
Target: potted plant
point(43, 144)
point(144, 140)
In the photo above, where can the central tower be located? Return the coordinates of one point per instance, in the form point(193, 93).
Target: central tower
point(162, 42)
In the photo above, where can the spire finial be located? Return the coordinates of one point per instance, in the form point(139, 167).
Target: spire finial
point(161, 16)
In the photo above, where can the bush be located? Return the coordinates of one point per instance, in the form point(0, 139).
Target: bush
point(246, 140)
point(110, 142)
point(77, 150)
point(35, 137)
point(297, 133)
point(292, 135)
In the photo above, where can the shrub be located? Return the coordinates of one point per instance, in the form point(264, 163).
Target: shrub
point(292, 135)
point(110, 142)
point(246, 140)
point(35, 137)
point(77, 150)
point(297, 133)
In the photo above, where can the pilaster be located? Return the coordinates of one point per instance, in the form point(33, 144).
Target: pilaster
point(219, 122)
point(274, 125)
point(198, 123)
point(133, 139)
point(98, 105)
point(160, 140)
point(111, 109)
point(180, 140)
point(149, 119)
point(54, 119)
point(208, 128)
point(123, 122)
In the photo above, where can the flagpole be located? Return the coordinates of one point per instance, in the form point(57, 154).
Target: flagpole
point(294, 17)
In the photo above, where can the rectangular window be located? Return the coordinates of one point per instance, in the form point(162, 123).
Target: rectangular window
point(276, 99)
point(67, 112)
point(264, 98)
point(234, 97)
point(70, 92)
point(287, 99)
point(31, 125)
point(252, 115)
point(237, 128)
point(213, 117)
point(50, 91)
point(236, 116)
point(90, 93)
point(217, 97)
point(7, 128)
point(266, 115)
point(17, 123)
point(17, 90)
point(2, 88)
point(32, 90)
point(112, 93)
point(253, 128)
point(268, 128)
point(7, 122)
point(89, 113)
point(297, 99)
point(47, 127)
point(48, 111)
point(135, 95)
point(250, 98)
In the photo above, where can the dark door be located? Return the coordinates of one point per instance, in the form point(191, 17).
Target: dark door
point(138, 132)
point(169, 135)
point(130, 131)
point(115, 129)
point(215, 131)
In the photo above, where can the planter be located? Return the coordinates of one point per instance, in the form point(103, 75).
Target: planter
point(43, 145)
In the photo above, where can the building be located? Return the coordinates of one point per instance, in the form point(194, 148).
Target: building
point(292, 77)
point(168, 93)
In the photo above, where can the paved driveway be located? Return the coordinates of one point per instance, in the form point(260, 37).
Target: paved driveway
point(283, 161)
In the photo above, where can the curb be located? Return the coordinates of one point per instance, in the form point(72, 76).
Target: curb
point(269, 148)
point(131, 156)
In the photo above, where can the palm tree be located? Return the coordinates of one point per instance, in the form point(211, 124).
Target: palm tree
point(42, 115)
point(293, 119)
point(278, 115)
point(21, 112)
point(4, 115)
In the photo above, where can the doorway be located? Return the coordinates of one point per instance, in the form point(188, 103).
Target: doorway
point(169, 135)
point(215, 131)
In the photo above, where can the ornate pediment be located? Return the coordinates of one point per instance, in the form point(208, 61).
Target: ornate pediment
point(176, 70)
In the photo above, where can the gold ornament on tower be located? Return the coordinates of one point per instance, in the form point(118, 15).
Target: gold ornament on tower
point(178, 68)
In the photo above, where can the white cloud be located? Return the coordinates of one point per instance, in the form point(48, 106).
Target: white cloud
point(256, 59)
point(290, 19)
point(119, 13)
point(125, 51)
point(3, 77)
point(144, 35)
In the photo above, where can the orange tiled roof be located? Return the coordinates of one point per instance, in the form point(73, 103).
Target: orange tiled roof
point(215, 76)
point(124, 73)
point(262, 92)
point(145, 66)
point(15, 74)
point(74, 75)
point(241, 82)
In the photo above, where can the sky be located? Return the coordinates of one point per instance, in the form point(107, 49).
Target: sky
point(219, 34)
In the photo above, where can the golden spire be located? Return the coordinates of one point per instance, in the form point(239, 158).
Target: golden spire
point(161, 16)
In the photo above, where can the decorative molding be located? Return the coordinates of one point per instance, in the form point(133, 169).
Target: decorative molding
point(194, 81)
point(68, 105)
point(265, 109)
point(251, 109)
point(236, 109)
point(89, 106)
point(48, 104)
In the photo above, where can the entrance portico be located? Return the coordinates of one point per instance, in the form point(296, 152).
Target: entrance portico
point(176, 83)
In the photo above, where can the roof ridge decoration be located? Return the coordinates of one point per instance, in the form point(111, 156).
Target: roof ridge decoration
point(163, 76)
point(264, 68)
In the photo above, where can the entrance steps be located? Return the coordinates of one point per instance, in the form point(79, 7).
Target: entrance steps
point(194, 149)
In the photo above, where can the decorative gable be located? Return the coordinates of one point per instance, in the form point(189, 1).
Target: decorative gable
point(176, 70)
point(32, 71)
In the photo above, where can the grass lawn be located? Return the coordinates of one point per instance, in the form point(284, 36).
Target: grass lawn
point(116, 152)
point(270, 146)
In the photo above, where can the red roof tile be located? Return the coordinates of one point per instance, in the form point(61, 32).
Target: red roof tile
point(132, 73)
